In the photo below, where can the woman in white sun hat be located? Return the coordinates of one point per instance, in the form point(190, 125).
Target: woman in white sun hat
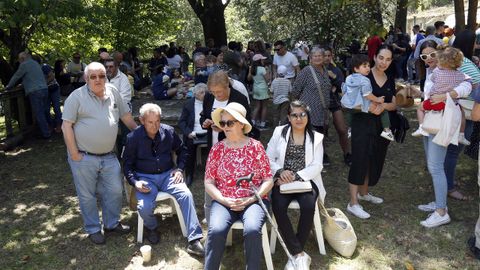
point(234, 157)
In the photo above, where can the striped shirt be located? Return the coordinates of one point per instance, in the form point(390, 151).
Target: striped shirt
point(469, 68)
point(281, 87)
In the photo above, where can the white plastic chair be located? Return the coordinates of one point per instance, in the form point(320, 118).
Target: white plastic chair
point(238, 225)
point(162, 196)
point(317, 224)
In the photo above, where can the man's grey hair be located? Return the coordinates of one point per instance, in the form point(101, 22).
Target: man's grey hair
point(316, 49)
point(23, 56)
point(199, 87)
point(430, 30)
point(150, 108)
point(197, 56)
point(94, 66)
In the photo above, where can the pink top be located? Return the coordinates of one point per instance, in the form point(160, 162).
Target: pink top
point(445, 80)
point(226, 164)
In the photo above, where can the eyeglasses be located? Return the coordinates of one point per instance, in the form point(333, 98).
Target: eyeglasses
point(298, 115)
point(228, 123)
point(426, 56)
point(277, 49)
point(95, 77)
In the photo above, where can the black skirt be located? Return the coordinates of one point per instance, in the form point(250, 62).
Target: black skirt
point(368, 149)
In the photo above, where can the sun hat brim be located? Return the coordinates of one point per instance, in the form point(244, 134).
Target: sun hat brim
point(230, 108)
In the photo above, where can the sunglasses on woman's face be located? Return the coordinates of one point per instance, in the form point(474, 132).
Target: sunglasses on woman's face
point(228, 123)
point(426, 56)
point(298, 115)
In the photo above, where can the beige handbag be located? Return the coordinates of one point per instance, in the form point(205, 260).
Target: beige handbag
point(432, 121)
point(338, 231)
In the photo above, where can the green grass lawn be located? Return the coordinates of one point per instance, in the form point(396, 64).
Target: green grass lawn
point(41, 227)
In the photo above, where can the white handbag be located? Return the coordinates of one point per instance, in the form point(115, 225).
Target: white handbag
point(467, 106)
point(296, 187)
point(432, 121)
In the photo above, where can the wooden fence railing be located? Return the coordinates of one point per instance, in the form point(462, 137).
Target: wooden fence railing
point(18, 117)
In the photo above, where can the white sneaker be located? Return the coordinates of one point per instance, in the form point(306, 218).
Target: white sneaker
point(289, 265)
point(434, 220)
point(419, 132)
point(462, 139)
point(370, 198)
point(303, 262)
point(349, 133)
point(430, 207)
point(357, 210)
point(388, 135)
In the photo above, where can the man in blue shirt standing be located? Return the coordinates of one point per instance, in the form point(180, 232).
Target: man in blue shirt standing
point(36, 89)
point(149, 167)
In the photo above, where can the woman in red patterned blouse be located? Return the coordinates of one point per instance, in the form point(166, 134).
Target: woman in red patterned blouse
point(234, 157)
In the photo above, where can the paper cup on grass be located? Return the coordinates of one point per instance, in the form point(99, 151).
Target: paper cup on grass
point(146, 251)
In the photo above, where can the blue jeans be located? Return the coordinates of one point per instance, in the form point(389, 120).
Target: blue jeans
point(39, 103)
point(94, 174)
point(54, 101)
point(452, 157)
point(221, 219)
point(435, 161)
point(163, 182)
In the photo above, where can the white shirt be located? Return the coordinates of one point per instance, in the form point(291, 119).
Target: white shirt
point(217, 104)
point(175, 61)
point(240, 87)
point(197, 128)
point(303, 52)
point(289, 60)
point(121, 82)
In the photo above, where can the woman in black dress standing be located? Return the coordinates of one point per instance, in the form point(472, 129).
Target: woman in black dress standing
point(368, 148)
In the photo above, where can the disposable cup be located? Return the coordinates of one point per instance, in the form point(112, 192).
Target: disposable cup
point(146, 251)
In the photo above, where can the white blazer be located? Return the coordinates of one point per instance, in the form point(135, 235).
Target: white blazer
point(277, 147)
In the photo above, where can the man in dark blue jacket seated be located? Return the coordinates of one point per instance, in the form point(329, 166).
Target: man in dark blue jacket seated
point(149, 167)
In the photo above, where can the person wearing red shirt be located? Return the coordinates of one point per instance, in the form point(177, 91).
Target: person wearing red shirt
point(373, 43)
point(234, 157)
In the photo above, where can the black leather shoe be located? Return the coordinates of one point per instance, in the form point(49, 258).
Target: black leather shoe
point(195, 247)
point(326, 160)
point(97, 238)
point(120, 229)
point(347, 158)
point(473, 248)
point(152, 236)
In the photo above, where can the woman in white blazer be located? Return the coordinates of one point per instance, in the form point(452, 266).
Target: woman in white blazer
point(296, 154)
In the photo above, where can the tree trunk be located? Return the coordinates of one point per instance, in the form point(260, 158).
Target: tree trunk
point(401, 15)
point(472, 14)
point(212, 16)
point(213, 24)
point(15, 43)
point(459, 15)
point(376, 13)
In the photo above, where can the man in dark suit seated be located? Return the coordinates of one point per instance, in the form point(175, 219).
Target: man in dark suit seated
point(193, 133)
point(149, 167)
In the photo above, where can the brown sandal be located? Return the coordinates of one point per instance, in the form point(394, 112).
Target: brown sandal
point(455, 194)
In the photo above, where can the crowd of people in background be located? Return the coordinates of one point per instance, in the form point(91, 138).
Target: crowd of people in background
point(230, 89)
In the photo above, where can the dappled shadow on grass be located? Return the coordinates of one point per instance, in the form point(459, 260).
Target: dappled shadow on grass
point(42, 227)
point(41, 223)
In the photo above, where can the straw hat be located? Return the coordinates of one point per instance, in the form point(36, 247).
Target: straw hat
point(237, 111)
